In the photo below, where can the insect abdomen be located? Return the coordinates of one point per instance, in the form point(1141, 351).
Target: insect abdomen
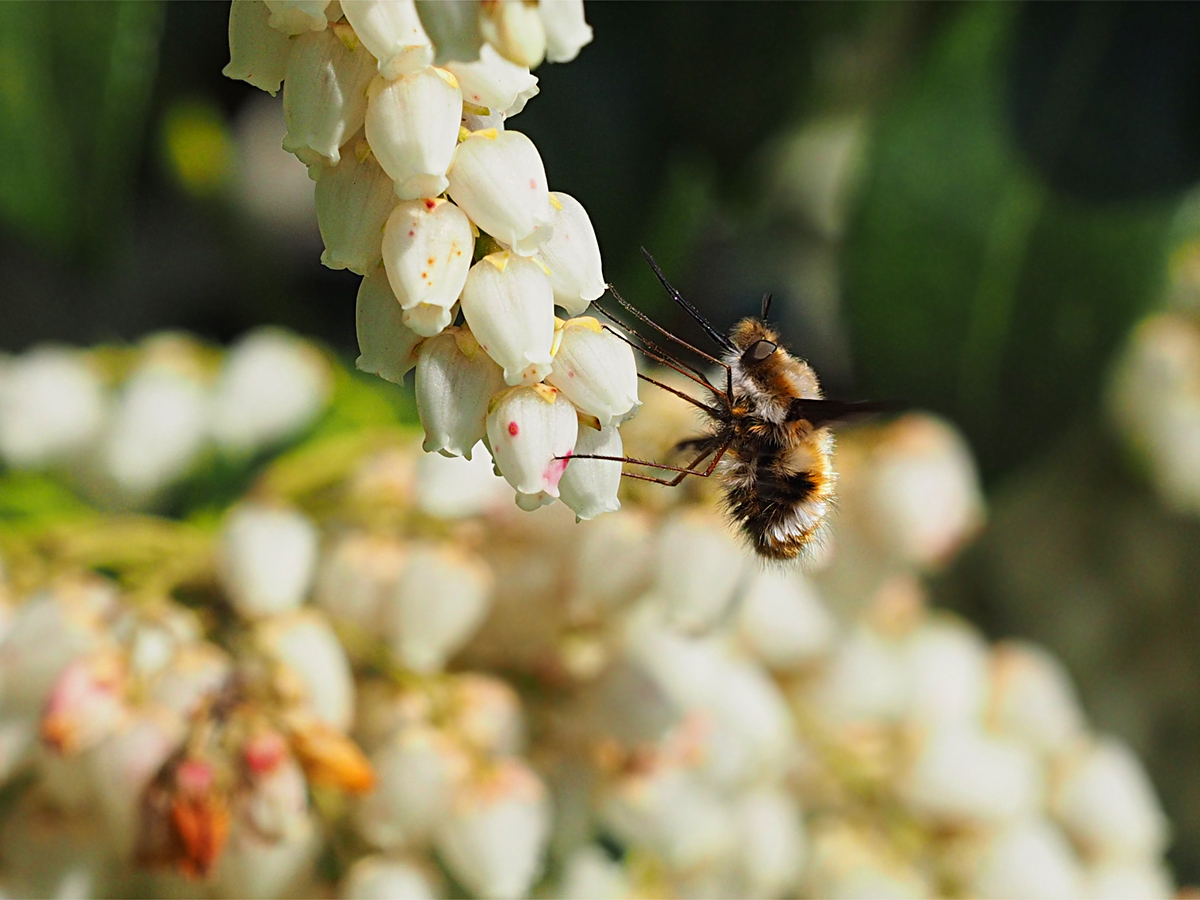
point(779, 512)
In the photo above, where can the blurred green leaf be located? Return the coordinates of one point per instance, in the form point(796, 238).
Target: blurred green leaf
point(75, 85)
point(971, 288)
point(31, 500)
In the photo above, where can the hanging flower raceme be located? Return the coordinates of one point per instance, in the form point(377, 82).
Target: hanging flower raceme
point(399, 110)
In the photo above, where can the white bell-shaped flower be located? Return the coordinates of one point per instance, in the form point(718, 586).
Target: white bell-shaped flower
point(774, 842)
point(494, 83)
point(440, 599)
point(51, 407)
point(572, 254)
point(947, 664)
point(353, 201)
point(386, 346)
point(325, 94)
point(509, 307)
point(355, 576)
point(782, 620)
point(412, 125)
point(589, 486)
point(317, 669)
point(1033, 699)
point(456, 381)
point(385, 878)
point(258, 53)
point(532, 431)
point(567, 32)
point(297, 16)
point(515, 29)
point(596, 370)
point(497, 831)
point(499, 181)
point(266, 559)
point(1144, 879)
point(271, 386)
point(452, 487)
point(1031, 859)
point(427, 249)
point(700, 569)
point(453, 28)
point(392, 31)
point(864, 683)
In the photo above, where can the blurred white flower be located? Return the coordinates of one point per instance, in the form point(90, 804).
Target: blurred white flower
point(412, 126)
point(515, 29)
point(270, 186)
point(355, 577)
point(499, 181)
point(774, 843)
point(1030, 861)
point(531, 432)
point(596, 370)
point(386, 878)
point(455, 487)
point(1125, 880)
point(427, 247)
point(456, 381)
point(864, 682)
point(589, 486)
point(851, 861)
point(782, 620)
point(566, 30)
point(509, 307)
point(589, 873)
point(386, 346)
point(267, 559)
point(325, 94)
point(494, 83)
point(316, 671)
point(353, 199)
point(51, 407)
point(258, 53)
point(392, 31)
point(253, 865)
point(1032, 698)
point(271, 386)
point(493, 840)
point(485, 712)
point(947, 663)
point(440, 598)
point(597, 585)
point(196, 673)
point(1106, 802)
point(572, 254)
point(86, 704)
point(700, 569)
point(297, 16)
point(453, 28)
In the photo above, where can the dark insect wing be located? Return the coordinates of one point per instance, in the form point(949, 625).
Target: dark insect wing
point(823, 412)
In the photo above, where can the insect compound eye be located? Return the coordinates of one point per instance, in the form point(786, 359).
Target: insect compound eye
point(759, 350)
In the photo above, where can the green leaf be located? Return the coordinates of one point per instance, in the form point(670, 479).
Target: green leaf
point(971, 288)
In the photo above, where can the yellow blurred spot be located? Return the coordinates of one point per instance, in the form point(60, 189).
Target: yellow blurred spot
point(198, 148)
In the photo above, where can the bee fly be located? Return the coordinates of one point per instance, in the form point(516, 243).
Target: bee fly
point(767, 436)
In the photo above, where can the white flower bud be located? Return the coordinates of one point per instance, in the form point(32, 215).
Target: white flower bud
point(515, 29)
point(864, 682)
point(258, 53)
point(392, 31)
point(297, 16)
point(416, 771)
point(532, 431)
point(499, 181)
point(266, 559)
point(353, 200)
point(1032, 698)
point(589, 486)
point(325, 94)
point(355, 577)
point(440, 599)
point(596, 370)
point(456, 381)
point(700, 568)
point(427, 248)
point(158, 429)
point(485, 712)
point(572, 254)
point(774, 843)
point(1129, 880)
point(383, 878)
point(256, 865)
point(566, 30)
point(496, 833)
point(782, 620)
point(309, 649)
point(509, 307)
point(964, 777)
point(386, 346)
point(1030, 861)
point(1106, 802)
point(412, 126)
point(453, 28)
point(494, 83)
point(589, 873)
point(451, 487)
point(51, 407)
point(947, 665)
point(597, 585)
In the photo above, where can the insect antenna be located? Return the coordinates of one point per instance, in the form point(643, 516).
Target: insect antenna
point(722, 341)
point(641, 316)
point(652, 350)
point(766, 305)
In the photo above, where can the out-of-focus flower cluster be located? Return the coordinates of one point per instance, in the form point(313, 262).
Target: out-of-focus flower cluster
point(372, 676)
point(126, 424)
point(399, 109)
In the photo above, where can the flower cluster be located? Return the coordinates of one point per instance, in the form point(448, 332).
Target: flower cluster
point(373, 670)
point(127, 424)
point(399, 109)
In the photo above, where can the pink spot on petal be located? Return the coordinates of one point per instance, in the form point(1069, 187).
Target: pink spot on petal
point(570, 373)
point(554, 471)
point(533, 184)
point(513, 429)
point(412, 233)
point(430, 204)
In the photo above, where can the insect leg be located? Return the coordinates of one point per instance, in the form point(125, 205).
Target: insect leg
point(658, 356)
point(641, 316)
point(722, 340)
point(715, 413)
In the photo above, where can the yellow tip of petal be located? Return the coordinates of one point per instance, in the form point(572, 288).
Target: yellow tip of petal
point(555, 202)
point(498, 259)
point(547, 393)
